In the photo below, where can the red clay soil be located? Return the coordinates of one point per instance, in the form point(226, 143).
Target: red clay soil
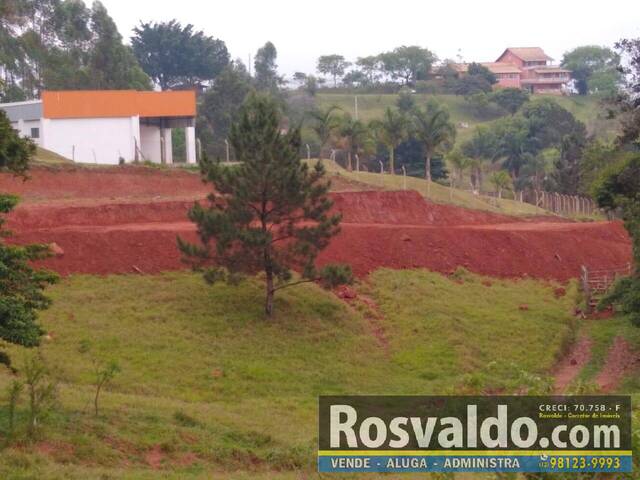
point(77, 183)
point(621, 360)
point(126, 219)
point(570, 366)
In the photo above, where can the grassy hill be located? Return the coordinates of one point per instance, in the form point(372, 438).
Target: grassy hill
point(435, 192)
point(209, 387)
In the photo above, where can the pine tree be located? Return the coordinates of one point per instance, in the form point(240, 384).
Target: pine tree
point(270, 214)
point(21, 286)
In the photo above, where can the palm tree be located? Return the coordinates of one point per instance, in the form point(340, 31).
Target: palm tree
point(434, 130)
point(392, 130)
point(481, 147)
point(500, 180)
point(356, 135)
point(459, 162)
point(324, 125)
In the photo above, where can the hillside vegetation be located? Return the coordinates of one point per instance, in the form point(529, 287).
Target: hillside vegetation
point(587, 109)
point(210, 387)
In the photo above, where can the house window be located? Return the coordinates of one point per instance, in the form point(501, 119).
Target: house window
point(35, 132)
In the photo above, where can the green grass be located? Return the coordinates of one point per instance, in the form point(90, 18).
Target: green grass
point(47, 157)
point(438, 193)
point(204, 374)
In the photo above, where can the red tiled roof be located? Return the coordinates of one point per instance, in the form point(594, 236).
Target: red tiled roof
point(528, 54)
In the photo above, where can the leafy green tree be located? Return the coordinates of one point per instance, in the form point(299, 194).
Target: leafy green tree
point(510, 99)
point(476, 69)
point(266, 68)
point(406, 102)
point(628, 98)
point(325, 124)
point(500, 181)
point(594, 68)
point(112, 64)
point(334, 65)
point(21, 286)
point(408, 63)
point(392, 130)
point(270, 214)
point(370, 67)
point(460, 163)
point(311, 85)
point(481, 148)
point(176, 56)
point(469, 85)
point(355, 77)
point(220, 106)
point(357, 137)
point(433, 128)
point(619, 189)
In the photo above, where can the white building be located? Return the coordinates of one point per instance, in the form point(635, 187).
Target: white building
point(108, 126)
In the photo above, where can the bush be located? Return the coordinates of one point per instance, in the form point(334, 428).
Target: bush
point(625, 295)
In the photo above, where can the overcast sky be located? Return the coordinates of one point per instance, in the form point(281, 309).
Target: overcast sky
point(477, 30)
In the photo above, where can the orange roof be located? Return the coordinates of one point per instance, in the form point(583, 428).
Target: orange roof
point(528, 54)
point(117, 103)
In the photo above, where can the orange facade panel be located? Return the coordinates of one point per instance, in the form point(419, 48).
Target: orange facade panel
point(117, 103)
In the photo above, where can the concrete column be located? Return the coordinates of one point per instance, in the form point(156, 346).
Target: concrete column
point(168, 145)
point(135, 139)
point(190, 142)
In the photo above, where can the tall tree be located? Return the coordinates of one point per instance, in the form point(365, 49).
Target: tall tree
point(266, 68)
point(325, 123)
point(593, 68)
point(628, 98)
point(112, 64)
point(480, 148)
point(271, 214)
point(408, 63)
point(356, 136)
point(392, 130)
point(477, 69)
point(510, 99)
point(433, 128)
point(220, 106)
point(175, 56)
point(460, 163)
point(619, 189)
point(334, 65)
point(21, 286)
point(370, 66)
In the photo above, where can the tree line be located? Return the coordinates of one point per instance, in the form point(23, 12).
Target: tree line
point(595, 69)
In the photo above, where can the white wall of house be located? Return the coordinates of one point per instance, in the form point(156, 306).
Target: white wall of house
point(151, 143)
point(25, 129)
point(92, 140)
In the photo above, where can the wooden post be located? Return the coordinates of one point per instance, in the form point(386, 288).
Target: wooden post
point(585, 283)
point(404, 177)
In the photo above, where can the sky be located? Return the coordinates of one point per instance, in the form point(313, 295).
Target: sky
point(476, 30)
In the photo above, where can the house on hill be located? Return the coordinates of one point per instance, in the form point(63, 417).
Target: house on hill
point(538, 74)
point(106, 126)
point(529, 68)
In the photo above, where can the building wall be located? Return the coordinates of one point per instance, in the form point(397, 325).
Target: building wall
point(24, 128)
point(150, 142)
point(91, 140)
point(509, 57)
point(508, 82)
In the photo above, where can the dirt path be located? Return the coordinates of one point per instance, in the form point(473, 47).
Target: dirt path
point(570, 366)
point(621, 360)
